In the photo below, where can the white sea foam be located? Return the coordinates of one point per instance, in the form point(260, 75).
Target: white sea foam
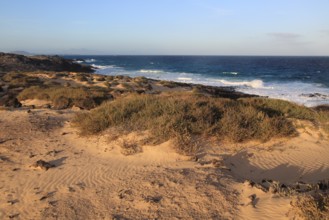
point(254, 83)
point(78, 61)
point(298, 92)
point(101, 66)
point(150, 71)
point(294, 91)
point(231, 73)
point(90, 60)
point(184, 78)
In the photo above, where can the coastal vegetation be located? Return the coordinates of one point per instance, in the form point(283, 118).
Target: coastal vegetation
point(189, 118)
point(65, 97)
point(183, 112)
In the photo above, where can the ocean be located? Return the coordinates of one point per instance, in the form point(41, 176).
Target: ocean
point(303, 80)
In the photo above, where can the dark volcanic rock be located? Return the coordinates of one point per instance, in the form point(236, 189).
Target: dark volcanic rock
point(223, 92)
point(43, 165)
point(15, 62)
point(9, 100)
point(322, 108)
point(315, 95)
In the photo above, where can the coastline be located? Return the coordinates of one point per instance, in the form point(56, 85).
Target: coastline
point(122, 174)
point(303, 80)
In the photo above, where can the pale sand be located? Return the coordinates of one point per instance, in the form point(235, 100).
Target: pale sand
point(301, 159)
point(93, 180)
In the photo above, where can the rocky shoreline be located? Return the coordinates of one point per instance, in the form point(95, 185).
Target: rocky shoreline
point(20, 63)
point(18, 72)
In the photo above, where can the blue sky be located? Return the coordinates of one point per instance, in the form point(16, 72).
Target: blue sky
point(168, 27)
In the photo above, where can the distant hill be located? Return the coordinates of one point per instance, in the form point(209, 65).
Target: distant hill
point(21, 52)
point(15, 62)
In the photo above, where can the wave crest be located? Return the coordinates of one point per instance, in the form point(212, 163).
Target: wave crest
point(150, 71)
point(257, 83)
point(101, 67)
point(90, 60)
point(231, 73)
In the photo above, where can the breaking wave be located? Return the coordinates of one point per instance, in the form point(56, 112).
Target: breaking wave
point(253, 83)
point(90, 60)
point(231, 73)
point(150, 71)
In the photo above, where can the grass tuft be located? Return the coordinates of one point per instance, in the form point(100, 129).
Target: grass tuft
point(186, 119)
point(64, 97)
point(312, 206)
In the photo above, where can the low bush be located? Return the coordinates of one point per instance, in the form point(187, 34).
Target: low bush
point(12, 75)
point(129, 147)
point(186, 118)
point(81, 77)
point(100, 79)
point(15, 80)
point(318, 115)
point(172, 84)
point(109, 78)
point(64, 97)
point(281, 107)
point(141, 79)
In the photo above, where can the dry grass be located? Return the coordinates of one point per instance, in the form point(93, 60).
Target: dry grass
point(15, 80)
point(129, 147)
point(283, 108)
point(172, 84)
point(312, 207)
point(187, 119)
point(64, 97)
point(82, 77)
point(319, 116)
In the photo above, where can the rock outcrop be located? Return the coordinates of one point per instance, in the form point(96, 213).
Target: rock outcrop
point(14, 62)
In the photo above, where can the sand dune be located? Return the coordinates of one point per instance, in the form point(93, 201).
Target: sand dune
point(304, 158)
point(92, 179)
point(95, 181)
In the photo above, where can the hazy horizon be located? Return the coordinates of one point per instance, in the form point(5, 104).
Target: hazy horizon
point(187, 27)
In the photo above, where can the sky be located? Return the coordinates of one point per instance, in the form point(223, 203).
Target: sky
point(166, 27)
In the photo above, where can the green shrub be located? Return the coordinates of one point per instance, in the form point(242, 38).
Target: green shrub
point(12, 75)
point(61, 102)
point(81, 77)
point(281, 107)
point(141, 79)
point(109, 78)
point(64, 97)
point(15, 80)
point(100, 79)
point(186, 118)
